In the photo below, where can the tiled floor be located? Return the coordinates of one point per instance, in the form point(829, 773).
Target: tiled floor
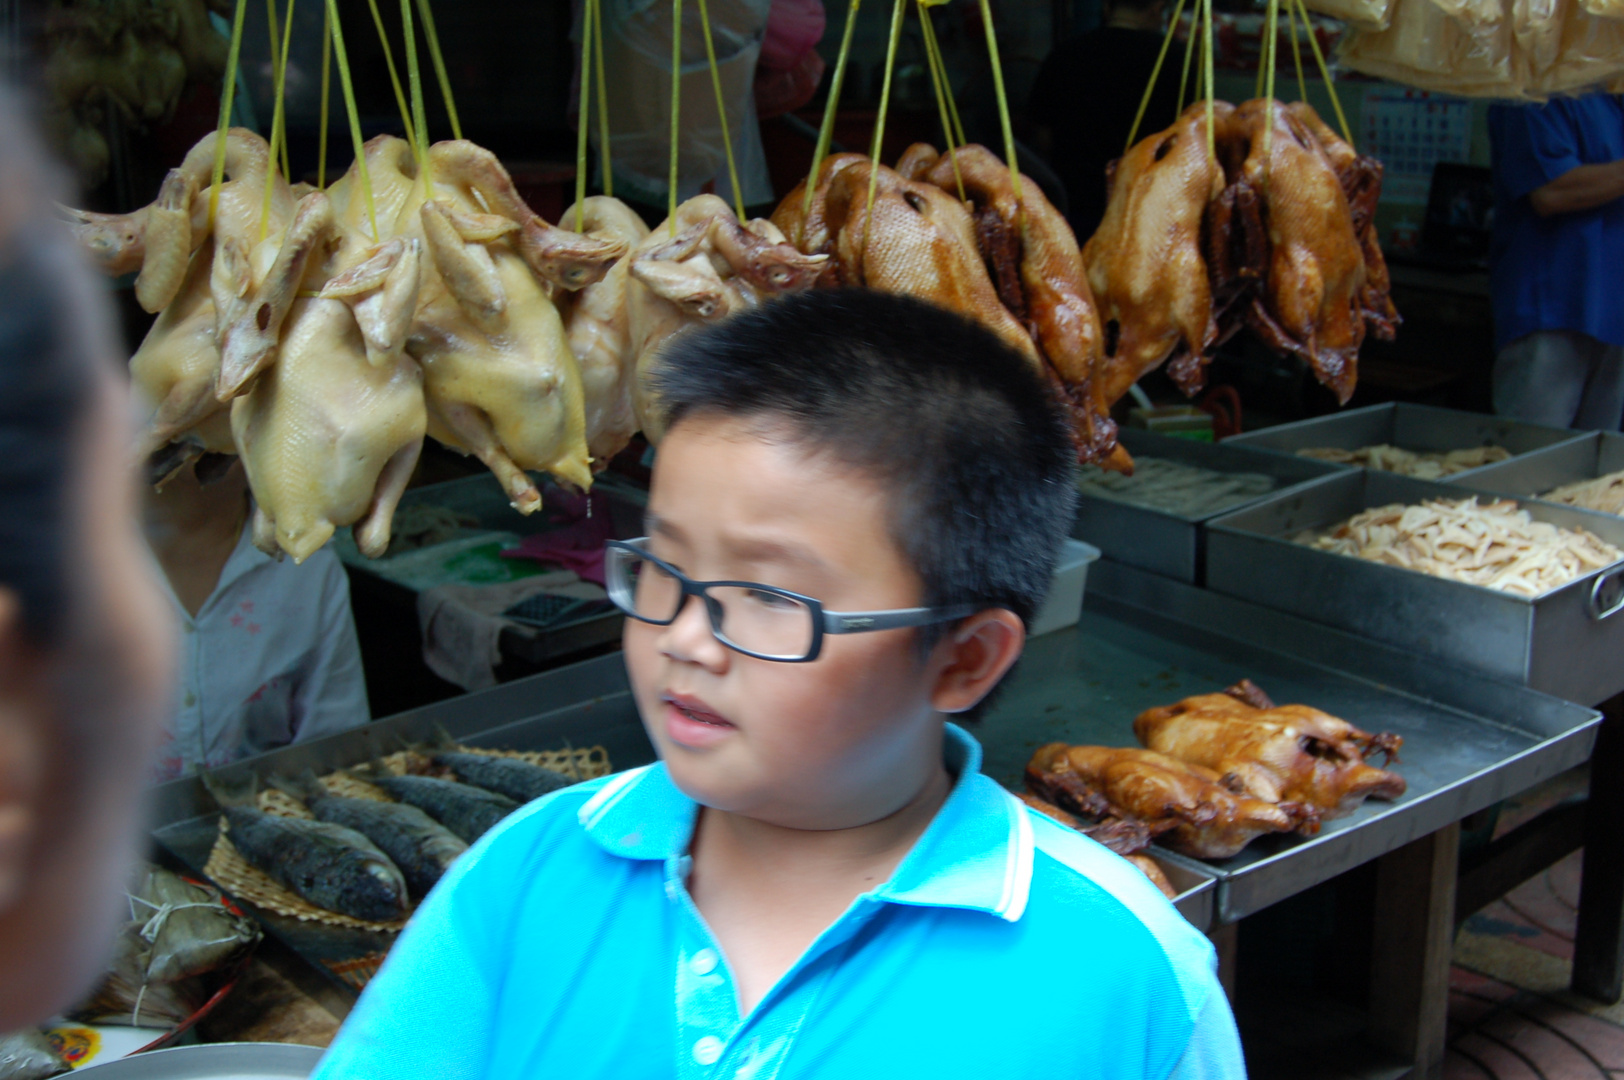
point(1511, 1016)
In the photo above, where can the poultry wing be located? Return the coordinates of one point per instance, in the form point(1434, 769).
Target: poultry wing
point(1052, 295)
point(1146, 265)
point(809, 230)
point(1289, 753)
point(1312, 301)
point(1184, 806)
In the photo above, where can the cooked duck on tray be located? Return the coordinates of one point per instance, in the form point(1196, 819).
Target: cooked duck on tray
point(1278, 753)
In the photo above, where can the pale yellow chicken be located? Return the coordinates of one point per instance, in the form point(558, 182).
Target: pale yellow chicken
point(598, 325)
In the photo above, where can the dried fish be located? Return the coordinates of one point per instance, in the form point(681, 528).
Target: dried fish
point(1497, 545)
point(504, 775)
point(329, 865)
point(1604, 493)
point(421, 847)
point(466, 810)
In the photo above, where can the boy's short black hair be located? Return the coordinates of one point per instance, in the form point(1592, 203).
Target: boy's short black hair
point(959, 425)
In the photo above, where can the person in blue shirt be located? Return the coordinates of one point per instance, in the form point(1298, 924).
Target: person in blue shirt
point(1557, 261)
point(857, 506)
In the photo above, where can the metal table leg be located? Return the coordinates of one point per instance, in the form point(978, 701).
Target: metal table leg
point(1414, 932)
point(1598, 949)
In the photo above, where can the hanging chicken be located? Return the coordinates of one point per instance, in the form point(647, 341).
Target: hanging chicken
point(1285, 753)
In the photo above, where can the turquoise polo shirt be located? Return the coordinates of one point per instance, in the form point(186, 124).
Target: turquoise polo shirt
point(565, 944)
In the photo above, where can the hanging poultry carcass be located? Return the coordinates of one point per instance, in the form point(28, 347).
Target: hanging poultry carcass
point(699, 266)
point(598, 325)
point(1146, 264)
point(808, 228)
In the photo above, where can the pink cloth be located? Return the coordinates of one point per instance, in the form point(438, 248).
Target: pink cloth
point(794, 28)
point(577, 545)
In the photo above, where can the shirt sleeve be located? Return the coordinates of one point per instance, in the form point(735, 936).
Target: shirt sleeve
point(1214, 1049)
point(1532, 145)
point(333, 695)
point(428, 1012)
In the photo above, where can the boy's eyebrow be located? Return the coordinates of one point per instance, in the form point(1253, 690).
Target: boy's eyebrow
point(654, 525)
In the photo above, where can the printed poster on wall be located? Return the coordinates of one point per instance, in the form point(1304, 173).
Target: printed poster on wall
point(1410, 131)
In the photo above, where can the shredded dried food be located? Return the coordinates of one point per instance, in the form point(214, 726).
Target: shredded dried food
point(1175, 488)
point(1496, 545)
point(1424, 465)
point(1604, 493)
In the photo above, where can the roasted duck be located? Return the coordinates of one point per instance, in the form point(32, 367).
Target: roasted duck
point(920, 241)
point(1184, 806)
point(1039, 275)
point(810, 232)
point(1312, 300)
point(1285, 753)
point(1145, 264)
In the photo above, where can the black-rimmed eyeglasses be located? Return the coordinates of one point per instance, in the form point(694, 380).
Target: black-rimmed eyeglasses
point(757, 620)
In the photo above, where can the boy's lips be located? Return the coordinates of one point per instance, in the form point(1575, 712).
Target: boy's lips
point(691, 723)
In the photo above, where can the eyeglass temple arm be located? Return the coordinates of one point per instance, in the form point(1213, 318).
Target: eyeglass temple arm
point(853, 622)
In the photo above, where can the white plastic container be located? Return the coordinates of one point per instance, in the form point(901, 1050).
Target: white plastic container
point(1064, 604)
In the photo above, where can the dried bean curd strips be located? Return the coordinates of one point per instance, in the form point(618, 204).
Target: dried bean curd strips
point(1604, 493)
point(1424, 465)
point(1183, 490)
point(1496, 545)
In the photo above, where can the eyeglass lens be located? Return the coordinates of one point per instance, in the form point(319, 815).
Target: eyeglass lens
point(751, 618)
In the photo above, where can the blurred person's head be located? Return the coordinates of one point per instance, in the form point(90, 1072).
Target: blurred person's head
point(85, 638)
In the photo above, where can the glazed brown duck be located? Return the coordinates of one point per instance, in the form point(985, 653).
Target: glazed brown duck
point(1289, 753)
point(1183, 805)
point(1146, 265)
point(1049, 291)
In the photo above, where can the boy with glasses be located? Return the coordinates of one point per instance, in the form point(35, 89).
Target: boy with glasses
point(858, 504)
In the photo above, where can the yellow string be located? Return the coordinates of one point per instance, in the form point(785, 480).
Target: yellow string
point(439, 67)
point(394, 78)
point(603, 100)
point(676, 102)
point(1189, 51)
point(414, 79)
point(1325, 73)
point(879, 120)
point(583, 117)
point(1155, 74)
point(938, 79)
point(279, 135)
point(1297, 53)
point(354, 116)
point(932, 44)
point(1271, 44)
point(1212, 135)
point(721, 111)
point(1003, 109)
point(826, 130)
point(326, 87)
point(225, 112)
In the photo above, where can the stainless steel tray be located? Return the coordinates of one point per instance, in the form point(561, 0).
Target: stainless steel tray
point(214, 1061)
point(1169, 543)
point(1469, 741)
point(1568, 642)
point(581, 705)
point(1411, 427)
point(1539, 471)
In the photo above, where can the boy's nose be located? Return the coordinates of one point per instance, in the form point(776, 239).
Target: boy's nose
point(689, 637)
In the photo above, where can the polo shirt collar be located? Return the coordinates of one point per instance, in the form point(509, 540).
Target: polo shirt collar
point(975, 854)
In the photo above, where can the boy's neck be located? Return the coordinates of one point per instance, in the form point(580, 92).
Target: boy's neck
point(767, 891)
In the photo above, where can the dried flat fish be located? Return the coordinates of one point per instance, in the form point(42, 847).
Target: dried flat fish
point(1176, 488)
point(1422, 464)
point(516, 779)
point(332, 867)
point(1604, 493)
point(466, 810)
point(1496, 545)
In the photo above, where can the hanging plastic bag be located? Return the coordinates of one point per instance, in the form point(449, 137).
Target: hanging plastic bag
point(1358, 14)
point(1428, 48)
point(1591, 52)
point(637, 54)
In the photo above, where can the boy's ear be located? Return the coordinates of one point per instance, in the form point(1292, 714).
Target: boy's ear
point(978, 653)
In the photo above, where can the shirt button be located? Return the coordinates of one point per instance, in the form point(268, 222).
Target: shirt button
point(708, 1051)
point(703, 962)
